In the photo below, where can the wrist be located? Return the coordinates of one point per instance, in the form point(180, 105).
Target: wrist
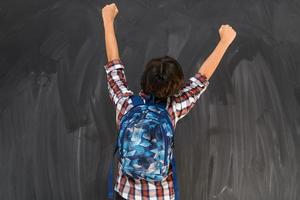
point(108, 22)
point(224, 43)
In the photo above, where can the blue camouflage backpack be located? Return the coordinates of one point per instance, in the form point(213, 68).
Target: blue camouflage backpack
point(145, 143)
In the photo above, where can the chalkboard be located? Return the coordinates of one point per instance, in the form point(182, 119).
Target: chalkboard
point(57, 124)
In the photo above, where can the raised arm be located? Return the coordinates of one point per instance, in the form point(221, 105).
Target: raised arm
point(185, 100)
point(119, 92)
point(109, 13)
point(227, 34)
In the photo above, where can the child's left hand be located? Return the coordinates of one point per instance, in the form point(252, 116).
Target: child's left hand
point(109, 12)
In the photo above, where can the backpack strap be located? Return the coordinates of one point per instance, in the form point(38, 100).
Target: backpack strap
point(110, 187)
point(136, 100)
point(110, 175)
point(176, 188)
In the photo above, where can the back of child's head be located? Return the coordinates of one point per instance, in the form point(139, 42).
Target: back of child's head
point(162, 77)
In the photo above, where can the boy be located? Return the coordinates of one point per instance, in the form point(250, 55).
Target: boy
point(162, 77)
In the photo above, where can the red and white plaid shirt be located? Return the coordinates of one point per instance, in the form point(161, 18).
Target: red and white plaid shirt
point(178, 106)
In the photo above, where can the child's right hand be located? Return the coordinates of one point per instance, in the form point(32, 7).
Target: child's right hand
point(227, 34)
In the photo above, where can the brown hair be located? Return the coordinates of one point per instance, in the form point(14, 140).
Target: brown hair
point(162, 77)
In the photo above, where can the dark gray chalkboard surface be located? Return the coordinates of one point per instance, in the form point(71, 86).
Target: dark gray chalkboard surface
point(57, 125)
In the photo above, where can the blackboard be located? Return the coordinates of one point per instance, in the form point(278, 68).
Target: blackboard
point(57, 125)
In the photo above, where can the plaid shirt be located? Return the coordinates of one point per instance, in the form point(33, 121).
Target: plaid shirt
point(177, 105)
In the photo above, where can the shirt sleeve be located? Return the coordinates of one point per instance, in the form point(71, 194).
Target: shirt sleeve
point(119, 92)
point(185, 99)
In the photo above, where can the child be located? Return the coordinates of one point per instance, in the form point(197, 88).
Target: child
point(162, 77)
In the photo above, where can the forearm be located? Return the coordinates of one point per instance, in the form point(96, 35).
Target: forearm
point(213, 60)
point(112, 51)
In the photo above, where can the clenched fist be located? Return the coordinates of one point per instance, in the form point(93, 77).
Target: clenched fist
point(227, 33)
point(109, 12)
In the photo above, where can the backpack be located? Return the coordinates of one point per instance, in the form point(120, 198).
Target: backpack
point(145, 143)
